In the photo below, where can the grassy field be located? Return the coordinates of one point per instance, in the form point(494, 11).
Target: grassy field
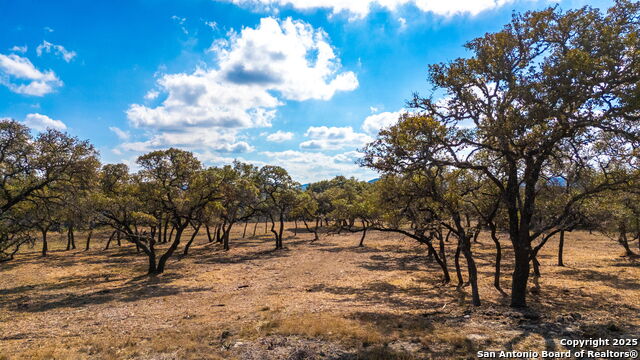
point(326, 299)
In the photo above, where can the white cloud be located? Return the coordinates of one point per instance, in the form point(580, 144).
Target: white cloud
point(374, 123)
point(22, 77)
point(289, 57)
point(258, 69)
point(333, 138)
point(41, 122)
point(48, 29)
point(313, 166)
point(222, 140)
point(212, 24)
point(21, 49)
point(151, 95)
point(373, 109)
point(201, 99)
point(403, 23)
point(55, 49)
point(121, 134)
point(181, 21)
point(280, 136)
point(361, 8)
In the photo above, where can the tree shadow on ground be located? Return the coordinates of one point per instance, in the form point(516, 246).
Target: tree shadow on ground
point(606, 279)
point(393, 263)
point(433, 295)
point(230, 257)
point(80, 291)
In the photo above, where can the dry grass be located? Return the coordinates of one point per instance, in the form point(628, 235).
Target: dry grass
point(319, 325)
point(383, 301)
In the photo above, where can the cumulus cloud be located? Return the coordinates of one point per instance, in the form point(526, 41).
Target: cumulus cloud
point(192, 139)
point(22, 77)
point(361, 8)
point(280, 136)
point(58, 50)
point(41, 122)
point(374, 123)
point(314, 166)
point(200, 99)
point(258, 69)
point(333, 138)
point(289, 57)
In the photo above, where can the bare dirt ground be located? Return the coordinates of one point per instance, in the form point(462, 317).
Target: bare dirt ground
point(327, 299)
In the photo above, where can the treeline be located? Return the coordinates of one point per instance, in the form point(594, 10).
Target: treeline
point(537, 134)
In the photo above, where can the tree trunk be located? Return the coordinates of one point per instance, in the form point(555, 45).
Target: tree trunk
point(456, 261)
point(152, 263)
point(45, 245)
point(159, 231)
point(110, 238)
point(209, 238)
point(473, 271)
point(443, 254)
point(88, 239)
point(118, 235)
point(244, 232)
point(295, 227)
point(536, 276)
point(315, 232)
point(496, 276)
point(255, 226)
point(219, 233)
point(561, 249)
point(173, 228)
point(622, 239)
point(273, 230)
point(520, 276)
point(225, 236)
point(315, 229)
point(281, 231)
point(364, 233)
point(174, 245)
point(476, 234)
point(166, 227)
point(441, 262)
point(69, 232)
point(193, 236)
point(430, 253)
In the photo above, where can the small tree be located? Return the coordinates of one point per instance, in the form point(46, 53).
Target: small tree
point(279, 193)
point(176, 178)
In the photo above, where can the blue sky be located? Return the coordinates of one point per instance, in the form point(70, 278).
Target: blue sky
point(302, 84)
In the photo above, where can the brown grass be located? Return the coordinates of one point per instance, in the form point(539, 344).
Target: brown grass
point(383, 301)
